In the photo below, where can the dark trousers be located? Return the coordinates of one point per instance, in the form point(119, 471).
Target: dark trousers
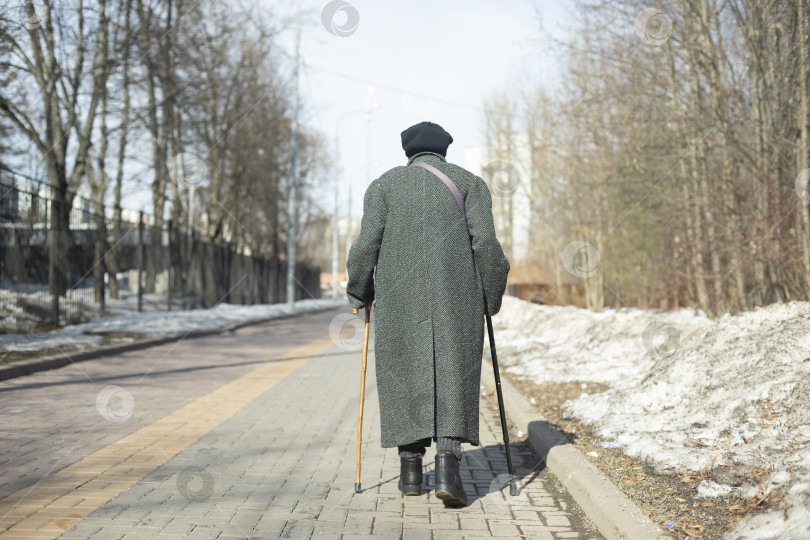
point(415, 449)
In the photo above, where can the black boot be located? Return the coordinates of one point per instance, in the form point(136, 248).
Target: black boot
point(449, 487)
point(410, 476)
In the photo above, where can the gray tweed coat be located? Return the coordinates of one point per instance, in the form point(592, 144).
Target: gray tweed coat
point(428, 291)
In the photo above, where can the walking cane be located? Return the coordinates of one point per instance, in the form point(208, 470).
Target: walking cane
point(362, 397)
point(512, 486)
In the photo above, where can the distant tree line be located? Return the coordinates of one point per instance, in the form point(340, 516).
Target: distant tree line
point(192, 94)
point(676, 146)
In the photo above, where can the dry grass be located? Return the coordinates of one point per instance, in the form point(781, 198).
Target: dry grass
point(669, 500)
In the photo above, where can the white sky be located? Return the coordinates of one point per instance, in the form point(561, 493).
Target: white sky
point(455, 52)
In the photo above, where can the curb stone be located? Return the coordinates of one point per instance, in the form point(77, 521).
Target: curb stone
point(613, 513)
point(35, 365)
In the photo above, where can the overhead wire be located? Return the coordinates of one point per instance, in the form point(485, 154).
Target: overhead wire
point(401, 91)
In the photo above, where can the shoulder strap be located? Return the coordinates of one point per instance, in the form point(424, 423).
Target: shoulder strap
point(447, 182)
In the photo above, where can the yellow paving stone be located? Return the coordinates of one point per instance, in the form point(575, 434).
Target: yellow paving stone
point(62, 524)
point(60, 482)
point(26, 535)
point(97, 484)
point(18, 513)
point(8, 521)
point(31, 523)
point(33, 502)
point(68, 501)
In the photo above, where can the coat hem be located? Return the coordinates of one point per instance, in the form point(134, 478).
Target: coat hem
point(464, 440)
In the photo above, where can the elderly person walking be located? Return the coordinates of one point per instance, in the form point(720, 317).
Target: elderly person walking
point(430, 274)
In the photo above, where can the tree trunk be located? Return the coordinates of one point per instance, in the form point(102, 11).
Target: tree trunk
point(112, 256)
point(58, 241)
point(804, 148)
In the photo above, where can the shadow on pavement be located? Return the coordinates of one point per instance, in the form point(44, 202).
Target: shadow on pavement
point(484, 471)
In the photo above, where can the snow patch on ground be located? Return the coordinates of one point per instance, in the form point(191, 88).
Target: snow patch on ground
point(731, 395)
point(564, 344)
point(778, 524)
point(157, 324)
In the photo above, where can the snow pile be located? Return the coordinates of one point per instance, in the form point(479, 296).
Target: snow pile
point(28, 306)
point(566, 344)
point(66, 337)
point(24, 308)
point(157, 324)
point(731, 397)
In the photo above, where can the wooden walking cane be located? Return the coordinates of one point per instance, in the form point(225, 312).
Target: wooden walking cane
point(362, 396)
point(504, 427)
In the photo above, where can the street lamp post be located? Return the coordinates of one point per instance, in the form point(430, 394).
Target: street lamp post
point(291, 201)
point(335, 236)
point(370, 106)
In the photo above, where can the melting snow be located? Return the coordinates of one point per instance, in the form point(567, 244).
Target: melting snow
point(157, 324)
point(685, 393)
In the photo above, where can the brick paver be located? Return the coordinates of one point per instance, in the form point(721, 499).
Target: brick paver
point(284, 467)
point(50, 419)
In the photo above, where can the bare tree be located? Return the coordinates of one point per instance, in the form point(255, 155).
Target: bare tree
point(48, 52)
point(676, 138)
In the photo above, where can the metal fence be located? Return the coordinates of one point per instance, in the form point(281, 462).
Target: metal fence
point(123, 265)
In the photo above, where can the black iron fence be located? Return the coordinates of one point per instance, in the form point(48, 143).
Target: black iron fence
point(122, 263)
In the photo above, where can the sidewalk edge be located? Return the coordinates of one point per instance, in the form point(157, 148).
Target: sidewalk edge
point(613, 513)
point(35, 365)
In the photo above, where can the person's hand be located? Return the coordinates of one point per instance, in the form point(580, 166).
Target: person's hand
point(356, 310)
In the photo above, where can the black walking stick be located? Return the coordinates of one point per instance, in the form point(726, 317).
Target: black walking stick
point(504, 427)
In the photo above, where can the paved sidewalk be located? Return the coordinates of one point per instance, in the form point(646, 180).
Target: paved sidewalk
point(282, 464)
point(50, 419)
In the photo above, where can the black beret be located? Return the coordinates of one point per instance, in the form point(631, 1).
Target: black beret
point(425, 137)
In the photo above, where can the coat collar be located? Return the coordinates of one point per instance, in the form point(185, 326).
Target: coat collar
point(428, 157)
